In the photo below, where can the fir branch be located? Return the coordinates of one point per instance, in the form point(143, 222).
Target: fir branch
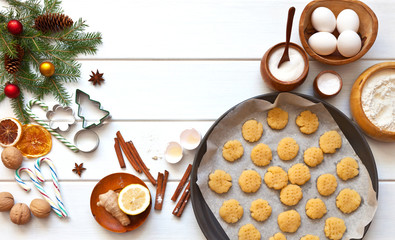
point(11, 51)
point(2, 94)
point(19, 108)
point(52, 5)
point(58, 91)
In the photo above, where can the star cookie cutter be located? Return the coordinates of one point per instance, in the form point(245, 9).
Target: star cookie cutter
point(79, 98)
point(64, 123)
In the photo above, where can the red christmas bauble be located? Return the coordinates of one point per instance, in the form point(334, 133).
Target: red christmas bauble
point(15, 27)
point(12, 90)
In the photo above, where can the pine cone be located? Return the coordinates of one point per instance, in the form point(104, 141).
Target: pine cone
point(12, 64)
point(52, 22)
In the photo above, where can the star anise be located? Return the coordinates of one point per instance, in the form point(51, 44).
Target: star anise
point(79, 168)
point(96, 78)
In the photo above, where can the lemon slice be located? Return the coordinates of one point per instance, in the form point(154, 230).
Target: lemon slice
point(134, 199)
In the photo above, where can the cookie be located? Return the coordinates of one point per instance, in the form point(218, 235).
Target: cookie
point(276, 178)
point(220, 181)
point(309, 237)
point(250, 181)
point(334, 228)
point(299, 174)
point(260, 210)
point(308, 122)
point(287, 149)
point(261, 155)
point(347, 168)
point(232, 150)
point(231, 211)
point(278, 236)
point(313, 156)
point(330, 141)
point(326, 184)
point(315, 208)
point(252, 130)
point(249, 232)
point(348, 200)
point(288, 221)
point(291, 195)
point(277, 118)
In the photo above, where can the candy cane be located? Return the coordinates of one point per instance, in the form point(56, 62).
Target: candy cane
point(38, 186)
point(63, 140)
point(55, 181)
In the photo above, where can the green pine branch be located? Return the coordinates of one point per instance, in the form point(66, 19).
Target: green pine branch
point(61, 48)
point(2, 95)
point(19, 108)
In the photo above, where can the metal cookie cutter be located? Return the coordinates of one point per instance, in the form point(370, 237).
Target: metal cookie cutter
point(86, 140)
point(79, 96)
point(63, 124)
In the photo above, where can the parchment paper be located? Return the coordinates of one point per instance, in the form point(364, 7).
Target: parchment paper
point(230, 128)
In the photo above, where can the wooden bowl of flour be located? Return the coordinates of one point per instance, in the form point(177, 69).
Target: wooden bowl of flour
point(364, 105)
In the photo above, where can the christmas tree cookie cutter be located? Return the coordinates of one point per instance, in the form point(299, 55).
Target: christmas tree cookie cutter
point(79, 97)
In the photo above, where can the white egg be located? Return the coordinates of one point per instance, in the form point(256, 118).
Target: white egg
point(323, 20)
point(347, 20)
point(349, 43)
point(323, 43)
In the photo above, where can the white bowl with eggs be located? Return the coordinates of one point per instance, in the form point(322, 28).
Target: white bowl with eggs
point(343, 30)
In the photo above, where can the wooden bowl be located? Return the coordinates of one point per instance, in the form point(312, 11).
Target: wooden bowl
point(318, 90)
point(368, 28)
point(275, 83)
point(356, 104)
point(116, 182)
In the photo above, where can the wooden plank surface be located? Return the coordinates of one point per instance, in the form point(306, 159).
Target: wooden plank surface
point(170, 65)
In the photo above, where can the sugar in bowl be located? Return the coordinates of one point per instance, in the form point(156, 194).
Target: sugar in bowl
point(291, 73)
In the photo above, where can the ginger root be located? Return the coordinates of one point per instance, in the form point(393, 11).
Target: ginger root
point(109, 201)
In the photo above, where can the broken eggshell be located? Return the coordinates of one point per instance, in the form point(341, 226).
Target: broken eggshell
point(173, 153)
point(61, 117)
point(190, 139)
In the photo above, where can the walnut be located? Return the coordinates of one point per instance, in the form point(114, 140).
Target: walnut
point(20, 214)
point(40, 208)
point(6, 201)
point(12, 157)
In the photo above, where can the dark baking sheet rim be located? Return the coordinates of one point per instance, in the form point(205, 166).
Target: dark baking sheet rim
point(206, 219)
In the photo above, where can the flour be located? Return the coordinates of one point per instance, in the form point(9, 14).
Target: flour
point(378, 99)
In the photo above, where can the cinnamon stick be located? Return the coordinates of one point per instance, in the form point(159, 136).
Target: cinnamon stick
point(119, 153)
point(178, 210)
point(184, 203)
point(159, 196)
point(182, 183)
point(127, 153)
point(140, 162)
point(158, 206)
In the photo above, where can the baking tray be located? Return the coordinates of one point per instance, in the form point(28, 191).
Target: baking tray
point(206, 219)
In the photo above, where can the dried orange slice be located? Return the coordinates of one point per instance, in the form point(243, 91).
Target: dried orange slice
point(10, 132)
point(35, 142)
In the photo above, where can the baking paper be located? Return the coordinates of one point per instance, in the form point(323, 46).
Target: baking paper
point(229, 128)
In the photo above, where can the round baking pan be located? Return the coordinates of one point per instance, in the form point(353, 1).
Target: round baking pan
point(206, 219)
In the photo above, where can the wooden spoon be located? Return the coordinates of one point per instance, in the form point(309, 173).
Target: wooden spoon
point(285, 57)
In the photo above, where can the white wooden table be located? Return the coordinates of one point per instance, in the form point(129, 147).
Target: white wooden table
point(170, 65)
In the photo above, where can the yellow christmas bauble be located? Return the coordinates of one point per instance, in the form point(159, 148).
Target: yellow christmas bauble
point(47, 69)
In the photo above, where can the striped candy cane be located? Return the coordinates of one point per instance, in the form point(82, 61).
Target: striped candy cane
point(63, 140)
point(55, 181)
point(38, 186)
